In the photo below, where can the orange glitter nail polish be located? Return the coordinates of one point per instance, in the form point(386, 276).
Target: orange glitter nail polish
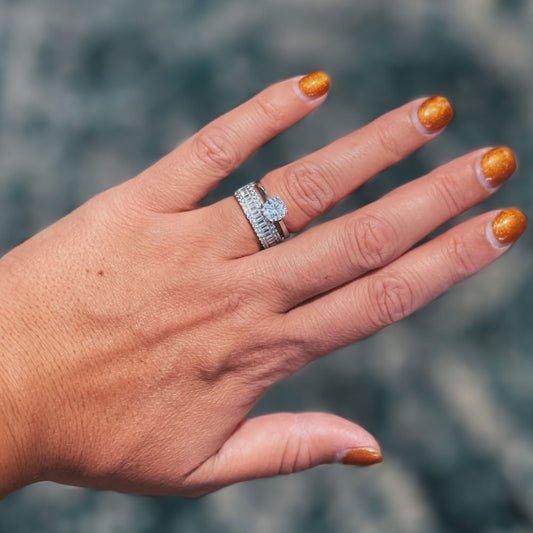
point(497, 165)
point(509, 225)
point(315, 84)
point(362, 457)
point(435, 113)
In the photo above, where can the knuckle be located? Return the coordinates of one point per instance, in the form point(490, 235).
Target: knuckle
point(461, 258)
point(271, 116)
point(235, 301)
point(370, 242)
point(215, 149)
point(234, 309)
point(212, 369)
point(392, 298)
point(241, 300)
point(310, 189)
point(389, 143)
point(270, 353)
point(119, 212)
point(448, 192)
point(215, 366)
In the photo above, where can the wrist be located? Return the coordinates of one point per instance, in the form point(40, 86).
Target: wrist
point(19, 443)
point(12, 464)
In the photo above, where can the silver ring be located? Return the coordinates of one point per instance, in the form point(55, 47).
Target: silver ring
point(264, 213)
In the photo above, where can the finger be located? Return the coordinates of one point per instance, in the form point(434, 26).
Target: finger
point(378, 233)
point(188, 173)
point(285, 443)
point(382, 297)
point(312, 185)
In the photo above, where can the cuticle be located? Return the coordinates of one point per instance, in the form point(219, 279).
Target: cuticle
point(485, 183)
point(492, 238)
point(415, 119)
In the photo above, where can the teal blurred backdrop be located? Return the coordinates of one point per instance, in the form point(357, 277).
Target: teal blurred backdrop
point(92, 92)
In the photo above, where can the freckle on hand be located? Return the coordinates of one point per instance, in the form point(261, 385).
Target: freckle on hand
point(100, 272)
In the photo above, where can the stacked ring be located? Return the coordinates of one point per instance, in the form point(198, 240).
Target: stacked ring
point(264, 213)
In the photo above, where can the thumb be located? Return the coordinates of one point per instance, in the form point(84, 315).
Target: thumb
point(284, 443)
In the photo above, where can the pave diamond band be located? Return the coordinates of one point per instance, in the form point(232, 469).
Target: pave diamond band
point(264, 213)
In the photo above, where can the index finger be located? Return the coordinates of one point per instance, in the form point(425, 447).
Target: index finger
point(184, 176)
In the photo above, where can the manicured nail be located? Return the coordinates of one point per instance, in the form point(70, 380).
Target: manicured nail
point(360, 457)
point(315, 84)
point(497, 165)
point(435, 113)
point(508, 226)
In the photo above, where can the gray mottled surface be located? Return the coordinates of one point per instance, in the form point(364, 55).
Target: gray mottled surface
point(92, 92)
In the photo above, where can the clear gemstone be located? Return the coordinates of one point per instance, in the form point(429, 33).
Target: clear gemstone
point(274, 209)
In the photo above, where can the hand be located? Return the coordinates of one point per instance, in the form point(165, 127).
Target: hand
point(138, 332)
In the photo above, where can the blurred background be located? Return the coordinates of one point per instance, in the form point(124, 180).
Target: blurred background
point(93, 92)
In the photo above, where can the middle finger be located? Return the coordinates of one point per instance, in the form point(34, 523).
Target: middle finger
point(314, 184)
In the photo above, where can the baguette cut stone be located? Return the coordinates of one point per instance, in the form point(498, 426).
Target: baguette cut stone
point(274, 209)
point(252, 203)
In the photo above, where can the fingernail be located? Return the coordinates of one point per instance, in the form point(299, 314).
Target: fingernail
point(508, 226)
point(497, 165)
point(435, 113)
point(315, 84)
point(360, 457)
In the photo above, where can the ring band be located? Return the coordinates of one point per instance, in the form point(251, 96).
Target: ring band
point(265, 214)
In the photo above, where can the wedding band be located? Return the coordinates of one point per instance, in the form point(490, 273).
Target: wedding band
point(264, 213)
